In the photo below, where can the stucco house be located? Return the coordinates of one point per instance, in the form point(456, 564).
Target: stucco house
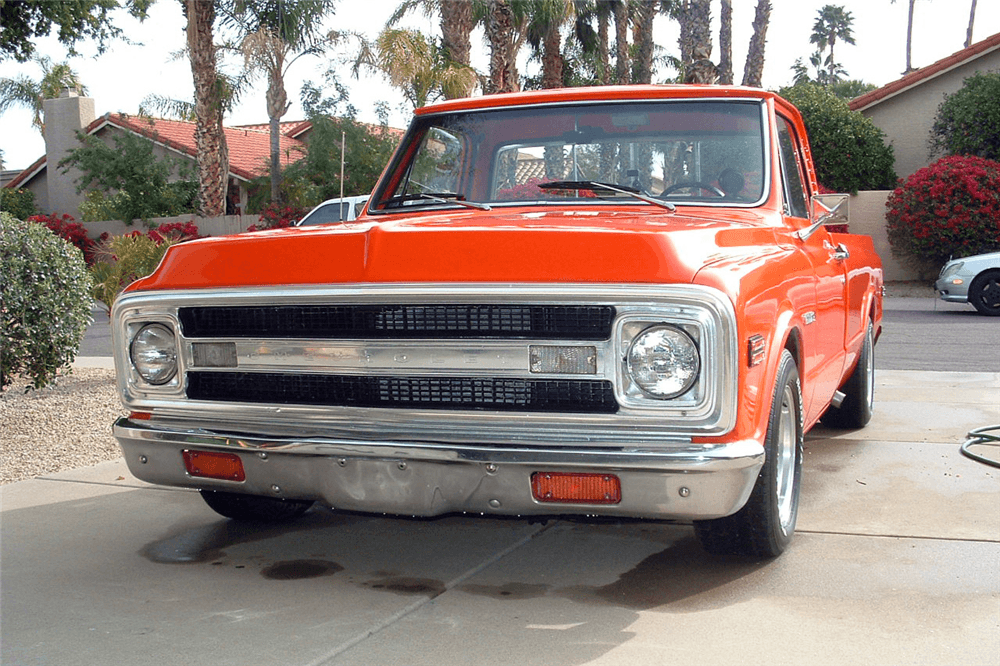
point(905, 108)
point(55, 191)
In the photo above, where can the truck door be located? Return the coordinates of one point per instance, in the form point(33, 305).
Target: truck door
point(825, 319)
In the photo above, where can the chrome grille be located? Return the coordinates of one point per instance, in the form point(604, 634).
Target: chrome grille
point(573, 396)
point(400, 321)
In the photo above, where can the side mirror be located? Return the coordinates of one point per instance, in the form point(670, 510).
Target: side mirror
point(827, 209)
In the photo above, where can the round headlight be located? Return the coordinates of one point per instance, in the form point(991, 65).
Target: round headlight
point(154, 353)
point(663, 362)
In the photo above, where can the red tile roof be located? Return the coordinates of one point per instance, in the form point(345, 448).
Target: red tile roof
point(917, 76)
point(249, 149)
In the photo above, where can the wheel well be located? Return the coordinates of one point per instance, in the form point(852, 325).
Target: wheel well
point(984, 273)
point(793, 343)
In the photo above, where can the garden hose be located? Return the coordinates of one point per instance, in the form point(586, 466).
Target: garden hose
point(983, 437)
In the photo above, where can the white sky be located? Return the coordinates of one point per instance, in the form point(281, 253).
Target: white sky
point(125, 74)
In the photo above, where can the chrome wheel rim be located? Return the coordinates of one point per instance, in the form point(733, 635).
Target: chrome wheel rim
point(786, 444)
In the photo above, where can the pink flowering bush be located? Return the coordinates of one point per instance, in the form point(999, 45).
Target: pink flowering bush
point(950, 208)
point(67, 228)
point(276, 216)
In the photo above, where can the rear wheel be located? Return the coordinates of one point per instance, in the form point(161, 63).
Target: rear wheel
point(252, 508)
point(984, 293)
point(764, 526)
point(859, 391)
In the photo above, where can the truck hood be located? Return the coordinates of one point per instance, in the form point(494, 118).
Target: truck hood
point(552, 245)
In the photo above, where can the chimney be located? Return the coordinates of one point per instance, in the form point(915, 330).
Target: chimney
point(64, 117)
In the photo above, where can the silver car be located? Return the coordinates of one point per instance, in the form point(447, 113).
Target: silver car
point(335, 210)
point(974, 280)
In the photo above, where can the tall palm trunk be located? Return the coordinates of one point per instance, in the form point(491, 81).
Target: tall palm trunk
point(621, 43)
point(457, 22)
point(500, 33)
point(603, 51)
point(909, 39)
point(726, 44)
point(277, 106)
point(972, 19)
point(642, 37)
point(754, 69)
point(210, 140)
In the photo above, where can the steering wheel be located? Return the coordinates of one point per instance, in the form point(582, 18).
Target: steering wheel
point(696, 184)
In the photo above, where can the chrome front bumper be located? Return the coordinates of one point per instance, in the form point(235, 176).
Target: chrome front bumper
point(675, 481)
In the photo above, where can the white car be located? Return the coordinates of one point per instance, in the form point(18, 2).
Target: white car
point(335, 210)
point(974, 280)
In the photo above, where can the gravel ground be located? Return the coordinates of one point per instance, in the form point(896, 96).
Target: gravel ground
point(63, 426)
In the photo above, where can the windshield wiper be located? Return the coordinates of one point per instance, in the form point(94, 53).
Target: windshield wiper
point(440, 197)
point(592, 185)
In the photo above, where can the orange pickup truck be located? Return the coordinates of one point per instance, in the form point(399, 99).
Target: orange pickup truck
point(612, 301)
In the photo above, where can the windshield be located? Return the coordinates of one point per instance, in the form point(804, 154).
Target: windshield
point(679, 151)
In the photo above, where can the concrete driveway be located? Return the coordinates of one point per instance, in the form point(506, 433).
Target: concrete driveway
point(897, 561)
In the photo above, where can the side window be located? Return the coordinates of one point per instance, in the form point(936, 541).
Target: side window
point(791, 171)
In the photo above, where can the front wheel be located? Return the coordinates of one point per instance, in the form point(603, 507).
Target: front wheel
point(984, 293)
point(763, 528)
point(252, 508)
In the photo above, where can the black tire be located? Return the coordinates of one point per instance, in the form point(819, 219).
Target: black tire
point(763, 528)
point(859, 390)
point(251, 508)
point(984, 293)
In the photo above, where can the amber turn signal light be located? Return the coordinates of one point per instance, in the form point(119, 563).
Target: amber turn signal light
point(575, 488)
point(214, 465)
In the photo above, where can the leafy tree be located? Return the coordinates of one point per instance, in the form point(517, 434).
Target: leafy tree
point(968, 121)
point(849, 150)
point(20, 203)
point(316, 177)
point(136, 183)
point(24, 21)
point(24, 91)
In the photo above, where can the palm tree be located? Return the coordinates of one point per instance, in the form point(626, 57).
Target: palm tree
point(909, 35)
point(274, 35)
point(210, 140)
point(30, 93)
point(726, 43)
point(416, 65)
point(543, 35)
point(621, 42)
point(754, 68)
point(642, 40)
point(972, 19)
point(832, 23)
point(457, 18)
point(500, 26)
point(695, 43)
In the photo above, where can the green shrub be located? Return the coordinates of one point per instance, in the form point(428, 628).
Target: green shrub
point(950, 208)
point(968, 121)
point(19, 203)
point(46, 302)
point(121, 260)
point(849, 150)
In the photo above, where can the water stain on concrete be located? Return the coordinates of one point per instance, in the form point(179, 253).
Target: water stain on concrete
point(299, 569)
point(407, 586)
point(682, 577)
point(507, 591)
point(192, 544)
